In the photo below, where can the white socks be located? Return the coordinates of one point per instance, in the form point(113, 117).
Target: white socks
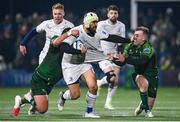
point(90, 99)
point(67, 95)
point(17, 101)
point(103, 81)
point(28, 96)
point(111, 92)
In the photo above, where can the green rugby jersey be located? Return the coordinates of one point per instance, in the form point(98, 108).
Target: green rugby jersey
point(50, 68)
point(143, 58)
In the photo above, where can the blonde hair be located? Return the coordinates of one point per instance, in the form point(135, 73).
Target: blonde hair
point(58, 6)
point(144, 29)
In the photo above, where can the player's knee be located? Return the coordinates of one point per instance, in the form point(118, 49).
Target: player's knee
point(142, 89)
point(75, 95)
point(93, 89)
point(41, 103)
point(142, 83)
point(42, 108)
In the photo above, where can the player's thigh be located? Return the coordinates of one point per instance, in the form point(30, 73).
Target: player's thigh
point(142, 81)
point(90, 78)
point(73, 73)
point(40, 86)
point(153, 86)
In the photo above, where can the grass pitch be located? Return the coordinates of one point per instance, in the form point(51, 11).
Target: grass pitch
point(167, 106)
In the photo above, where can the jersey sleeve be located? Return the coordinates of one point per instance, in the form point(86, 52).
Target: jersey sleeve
point(71, 25)
point(70, 40)
point(41, 27)
point(101, 34)
point(123, 31)
point(126, 50)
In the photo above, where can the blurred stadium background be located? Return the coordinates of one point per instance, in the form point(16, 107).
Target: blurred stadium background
point(17, 17)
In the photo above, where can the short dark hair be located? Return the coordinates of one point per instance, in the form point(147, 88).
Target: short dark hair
point(112, 7)
point(144, 29)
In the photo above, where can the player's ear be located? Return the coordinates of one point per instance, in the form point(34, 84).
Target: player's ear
point(108, 14)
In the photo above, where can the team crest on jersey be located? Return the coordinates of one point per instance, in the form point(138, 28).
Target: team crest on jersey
point(48, 26)
point(130, 51)
point(147, 51)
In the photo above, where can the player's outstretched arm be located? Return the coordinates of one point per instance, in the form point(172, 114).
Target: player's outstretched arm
point(117, 39)
point(25, 40)
point(59, 39)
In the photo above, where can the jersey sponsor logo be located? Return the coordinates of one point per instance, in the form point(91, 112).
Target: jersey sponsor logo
point(70, 78)
point(147, 51)
point(104, 32)
point(130, 51)
point(78, 44)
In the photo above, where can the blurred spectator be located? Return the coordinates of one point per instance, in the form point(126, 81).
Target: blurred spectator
point(8, 47)
point(175, 47)
point(2, 64)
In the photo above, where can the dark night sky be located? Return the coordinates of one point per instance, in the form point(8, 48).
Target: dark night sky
point(27, 7)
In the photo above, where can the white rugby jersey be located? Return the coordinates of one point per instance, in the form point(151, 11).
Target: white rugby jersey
point(115, 29)
point(51, 29)
point(94, 52)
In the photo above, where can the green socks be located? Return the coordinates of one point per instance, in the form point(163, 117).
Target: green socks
point(144, 98)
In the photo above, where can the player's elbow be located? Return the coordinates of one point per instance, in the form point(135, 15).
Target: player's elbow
point(93, 89)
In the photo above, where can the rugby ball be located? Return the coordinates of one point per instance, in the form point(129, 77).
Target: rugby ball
point(78, 44)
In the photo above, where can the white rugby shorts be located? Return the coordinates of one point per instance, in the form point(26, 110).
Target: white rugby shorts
point(107, 64)
point(72, 73)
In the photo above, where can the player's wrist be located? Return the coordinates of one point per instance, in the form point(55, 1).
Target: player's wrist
point(69, 33)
